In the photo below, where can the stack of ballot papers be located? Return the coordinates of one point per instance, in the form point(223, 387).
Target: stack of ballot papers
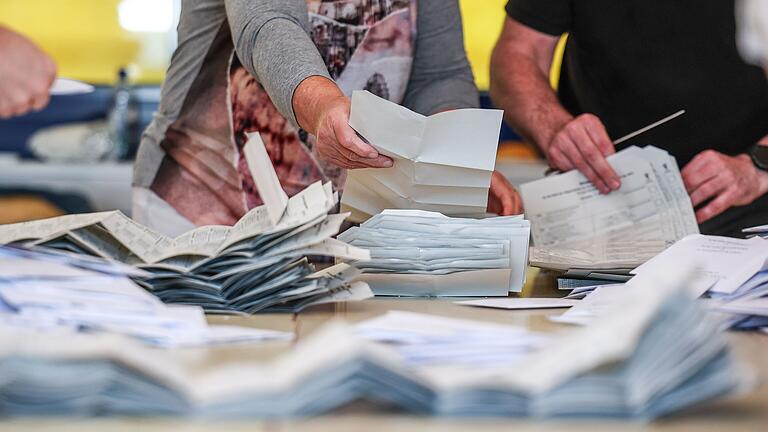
point(758, 231)
point(576, 227)
point(256, 265)
point(421, 253)
point(656, 354)
point(59, 292)
point(732, 273)
point(432, 340)
point(442, 163)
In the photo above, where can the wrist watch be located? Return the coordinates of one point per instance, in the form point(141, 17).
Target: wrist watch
point(759, 156)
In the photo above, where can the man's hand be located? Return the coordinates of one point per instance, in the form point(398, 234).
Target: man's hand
point(583, 144)
point(323, 110)
point(26, 75)
point(503, 199)
point(728, 181)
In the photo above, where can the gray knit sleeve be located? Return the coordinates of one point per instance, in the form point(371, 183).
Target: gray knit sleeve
point(442, 77)
point(272, 41)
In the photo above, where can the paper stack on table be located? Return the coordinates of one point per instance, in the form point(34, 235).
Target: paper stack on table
point(61, 292)
point(442, 163)
point(575, 227)
point(422, 339)
point(732, 272)
point(758, 231)
point(258, 264)
point(420, 253)
point(657, 353)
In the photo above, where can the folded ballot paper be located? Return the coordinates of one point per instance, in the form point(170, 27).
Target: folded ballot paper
point(731, 273)
point(442, 163)
point(656, 354)
point(258, 264)
point(421, 253)
point(65, 293)
point(575, 227)
point(758, 231)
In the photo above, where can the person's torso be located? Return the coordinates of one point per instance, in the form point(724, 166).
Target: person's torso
point(632, 62)
point(203, 175)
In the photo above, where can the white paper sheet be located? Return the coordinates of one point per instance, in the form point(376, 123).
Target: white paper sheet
point(69, 87)
point(265, 177)
point(722, 263)
point(521, 303)
point(442, 163)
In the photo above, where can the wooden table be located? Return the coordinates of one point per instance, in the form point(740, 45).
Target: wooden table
point(748, 412)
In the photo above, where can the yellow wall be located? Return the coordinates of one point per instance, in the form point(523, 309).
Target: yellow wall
point(84, 37)
point(483, 20)
point(88, 43)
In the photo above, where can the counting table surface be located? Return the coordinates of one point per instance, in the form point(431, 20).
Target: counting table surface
point(746, 412)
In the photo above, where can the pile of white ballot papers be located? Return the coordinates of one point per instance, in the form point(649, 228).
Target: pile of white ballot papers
point(656, 354)
point(64, 293)
point(758, 231)
point(256, 265)
point(442, 163)
point(420, 253)
point(576, 227)
point(733, 273)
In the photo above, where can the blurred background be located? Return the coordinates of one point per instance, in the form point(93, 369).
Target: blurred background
point(75, 156)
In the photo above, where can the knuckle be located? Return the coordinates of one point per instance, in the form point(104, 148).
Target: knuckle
point(351, 156)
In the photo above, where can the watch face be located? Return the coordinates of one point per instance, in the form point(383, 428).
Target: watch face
point(760, 156)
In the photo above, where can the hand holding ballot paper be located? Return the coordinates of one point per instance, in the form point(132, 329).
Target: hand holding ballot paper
point(574, 226)
point(443, 163)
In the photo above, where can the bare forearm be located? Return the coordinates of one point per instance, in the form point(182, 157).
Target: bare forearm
point(312, 99)
point(519, 86)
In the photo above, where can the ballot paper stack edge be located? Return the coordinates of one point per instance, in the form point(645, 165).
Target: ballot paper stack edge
point(259, 264)
point(660, 354)
point(732, 278)
point(51, 291)
point(421, 253)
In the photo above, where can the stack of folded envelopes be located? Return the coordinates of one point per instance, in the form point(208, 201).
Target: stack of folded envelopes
point(57, 291)
point(420, 253)
point(657, 353)
point(258, 264)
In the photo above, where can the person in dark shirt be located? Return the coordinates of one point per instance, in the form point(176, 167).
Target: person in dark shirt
point(627, 64)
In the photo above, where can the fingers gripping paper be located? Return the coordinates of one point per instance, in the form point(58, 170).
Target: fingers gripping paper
point(443, 163)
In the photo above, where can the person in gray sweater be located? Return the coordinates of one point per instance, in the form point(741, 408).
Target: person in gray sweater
point(285, 69)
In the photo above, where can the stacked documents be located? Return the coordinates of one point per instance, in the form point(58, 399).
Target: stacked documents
point(732, 272)
point(657, 353)
point(258, 264)
point(432, 340)
point(575, 227)
point(51, 291)
point(758, 231)
point(421, 253)
point(442, 163)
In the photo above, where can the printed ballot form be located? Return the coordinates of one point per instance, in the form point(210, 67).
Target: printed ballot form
point(574, 226)
point(442, 163)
